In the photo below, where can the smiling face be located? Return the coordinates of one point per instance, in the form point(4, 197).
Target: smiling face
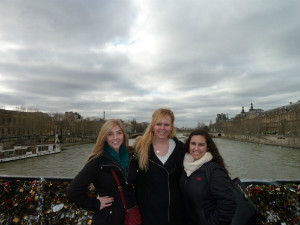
point(163, 128)
point(115, 138)
point(198, 146)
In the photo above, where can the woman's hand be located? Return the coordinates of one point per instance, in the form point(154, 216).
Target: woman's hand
point(105, 201)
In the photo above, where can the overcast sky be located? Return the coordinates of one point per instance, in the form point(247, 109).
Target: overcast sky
point(128, 58)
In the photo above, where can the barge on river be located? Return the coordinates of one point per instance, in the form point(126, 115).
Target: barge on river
point(42, 200)
point(24, 152)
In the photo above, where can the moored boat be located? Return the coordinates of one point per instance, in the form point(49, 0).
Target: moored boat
point(24, 152)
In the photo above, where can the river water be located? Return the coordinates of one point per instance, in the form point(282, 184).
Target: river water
point(243, 160)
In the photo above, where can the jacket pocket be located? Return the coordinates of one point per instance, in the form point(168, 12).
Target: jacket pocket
point(108, 215)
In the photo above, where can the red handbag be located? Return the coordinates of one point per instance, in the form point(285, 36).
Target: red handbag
point(132, 215)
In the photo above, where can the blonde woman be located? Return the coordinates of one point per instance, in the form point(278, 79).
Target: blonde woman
point(109, 153)
point(160, 157)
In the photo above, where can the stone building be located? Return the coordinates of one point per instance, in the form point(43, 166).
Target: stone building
point(16, 123)
point(73, 116)
point(279, 125)
point(284, 120)
point(19, 126)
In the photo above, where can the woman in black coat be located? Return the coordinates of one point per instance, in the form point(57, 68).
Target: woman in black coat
point(208, 192)
point(160, 157)
point(110, 153)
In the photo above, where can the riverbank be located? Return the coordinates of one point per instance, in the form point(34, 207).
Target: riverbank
point(66, 145)
point(265, 140)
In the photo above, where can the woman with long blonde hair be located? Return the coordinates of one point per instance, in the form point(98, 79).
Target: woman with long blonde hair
point(99, 146)
point(160, 155)
point(109, 153)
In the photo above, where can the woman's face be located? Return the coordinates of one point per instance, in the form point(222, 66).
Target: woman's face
point(198, 146)
point(115, 138)
point(163, 128)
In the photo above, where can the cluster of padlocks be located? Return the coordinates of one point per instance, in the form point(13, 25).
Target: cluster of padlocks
point(40, 201)
point(276, 203)
point(31, 202)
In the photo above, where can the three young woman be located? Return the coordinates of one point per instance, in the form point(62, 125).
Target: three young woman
point(157, 170)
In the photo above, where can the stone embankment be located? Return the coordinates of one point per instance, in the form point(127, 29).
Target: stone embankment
point(291, 142)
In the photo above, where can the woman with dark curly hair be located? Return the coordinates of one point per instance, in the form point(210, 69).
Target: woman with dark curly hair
point(207, 188)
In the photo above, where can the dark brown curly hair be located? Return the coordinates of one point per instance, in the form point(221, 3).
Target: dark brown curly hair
point(211, 146)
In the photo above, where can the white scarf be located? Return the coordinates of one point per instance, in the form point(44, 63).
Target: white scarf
point(190, 165)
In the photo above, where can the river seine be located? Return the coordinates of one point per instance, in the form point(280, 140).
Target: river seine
point(244, 160)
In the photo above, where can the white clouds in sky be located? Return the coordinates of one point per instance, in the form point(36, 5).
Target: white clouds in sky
point(128, 58)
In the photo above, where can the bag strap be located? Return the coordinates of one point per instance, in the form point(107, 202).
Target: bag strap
point(207, 171)
point(120, 189)
point(235, 182)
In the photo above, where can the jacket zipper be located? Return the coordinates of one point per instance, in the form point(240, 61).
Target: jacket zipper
point(168, 188)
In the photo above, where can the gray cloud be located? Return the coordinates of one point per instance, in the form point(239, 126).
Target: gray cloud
point(129, 58)
point(61, 24)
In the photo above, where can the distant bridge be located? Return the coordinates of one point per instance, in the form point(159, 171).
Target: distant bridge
point(216, 134)
point(212, 134)
point(134, 135)
point(184, 133)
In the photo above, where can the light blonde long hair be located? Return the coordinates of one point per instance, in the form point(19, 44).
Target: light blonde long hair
point(99, 146)
point(143, 143)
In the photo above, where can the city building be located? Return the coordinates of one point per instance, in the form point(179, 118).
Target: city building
point(73, 116)
point(16, 123)
point(283, 121)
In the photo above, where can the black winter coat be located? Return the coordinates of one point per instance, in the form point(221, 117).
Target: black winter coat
point(208, 202)
point(158, 191)
point(98, 172)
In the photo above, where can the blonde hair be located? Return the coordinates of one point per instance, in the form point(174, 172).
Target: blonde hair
point(99, 146)
point(142, 144)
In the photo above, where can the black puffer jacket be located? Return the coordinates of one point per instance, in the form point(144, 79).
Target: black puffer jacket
point(208, 202)
point(98, 172)
point(158, 192)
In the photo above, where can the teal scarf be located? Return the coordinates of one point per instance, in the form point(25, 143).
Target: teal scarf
point(122, 158)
